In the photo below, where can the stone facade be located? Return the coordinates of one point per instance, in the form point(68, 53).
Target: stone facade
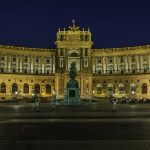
point(100, 72)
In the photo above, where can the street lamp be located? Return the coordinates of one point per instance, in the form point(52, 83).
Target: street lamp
point(53, 96)
point(16, 93)
point(133, 92)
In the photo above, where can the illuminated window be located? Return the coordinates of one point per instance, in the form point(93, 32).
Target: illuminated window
point(37, 59)
point(3, 87)
point(132, 88)
point(14, 88)
point(48, 89)
point(110, 88)
point(99, 88)
point(121, 88)
point(26, 88)
point(144, 88)
point(37, 89)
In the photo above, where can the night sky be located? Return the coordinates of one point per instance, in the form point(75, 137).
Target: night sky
point(113, 23)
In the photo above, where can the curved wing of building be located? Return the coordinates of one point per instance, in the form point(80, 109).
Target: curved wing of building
point(100, 72)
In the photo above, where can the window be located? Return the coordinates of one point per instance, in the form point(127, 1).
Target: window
point(110, 59)
point(26, 88)
point(110, 71)
point(14, 58)
point(14, 88)
point(99, 72)
point(99, 61)
point(99, 88)
point(61, 52)
point(110, 88)
point(25, 71)
point(37, 89)
point(14, 70)
point(133, 71)
point(121, 88)
point(25, 59)
point(86, 52)
point(36, 72)
point(2, 69)
point(2, 58)
point(47, 72)
point(132, 88)
point(133, 58)
point(48, 60)
point(122, 71)
point(144, 88)
point(48, 89)
point(37, 60)
point(3, 87)
point(121, 59)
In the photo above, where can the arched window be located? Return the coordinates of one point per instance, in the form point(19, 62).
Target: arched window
point(110, 87)
point(26, 88)
point(144, 88)
point(99, 88)
point(37, 89)
point(14, 88)
point(121, 88)
point(3, 87)
point(48, 89)
point(132, 88)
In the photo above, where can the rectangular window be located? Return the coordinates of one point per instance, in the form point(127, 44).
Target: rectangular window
point(14, 58)
point(37, 59)
point(2, 58)
point(86, 52)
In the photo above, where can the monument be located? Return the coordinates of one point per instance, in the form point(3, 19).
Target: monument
point(72, 92)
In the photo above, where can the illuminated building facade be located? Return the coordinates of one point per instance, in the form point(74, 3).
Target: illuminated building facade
point(100, 72)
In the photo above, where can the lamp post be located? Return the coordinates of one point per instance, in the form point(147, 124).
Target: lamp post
point(114, 102)
point(133, 92)
point(33, 97)
point(16, 93)
point(53, 96)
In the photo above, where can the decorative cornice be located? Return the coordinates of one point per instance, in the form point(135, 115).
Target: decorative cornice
point(123, 48)
point(25, 48)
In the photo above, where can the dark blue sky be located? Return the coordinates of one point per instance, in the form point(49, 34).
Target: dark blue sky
point(113, 23)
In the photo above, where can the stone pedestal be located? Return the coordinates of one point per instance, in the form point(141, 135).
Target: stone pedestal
point(72, 93)
point(72, 96)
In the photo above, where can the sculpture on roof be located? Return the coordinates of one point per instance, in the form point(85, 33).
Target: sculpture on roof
point(74, 28)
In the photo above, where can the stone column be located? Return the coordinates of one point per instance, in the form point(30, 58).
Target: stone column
point(82, 86)
point(43, 66)
point(17, 63)
point(53, 64)
point(129, 64)
point(115, 63)
point(20, 64)
point(9, 61)
point(126, 63)
point(137, 63)
point(57, 88)
point(6, 63)
point(29, 64)
point(149, 62)
point(32, 64)
point(104, 64)
point(90, 85)
point(93, 64)
point(141, 63)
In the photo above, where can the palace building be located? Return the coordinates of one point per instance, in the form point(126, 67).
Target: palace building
point(124, 72)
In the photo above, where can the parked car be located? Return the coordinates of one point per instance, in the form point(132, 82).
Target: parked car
point(147, 101)
point(132, 101)
point(123, 101)
point(140, 101)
